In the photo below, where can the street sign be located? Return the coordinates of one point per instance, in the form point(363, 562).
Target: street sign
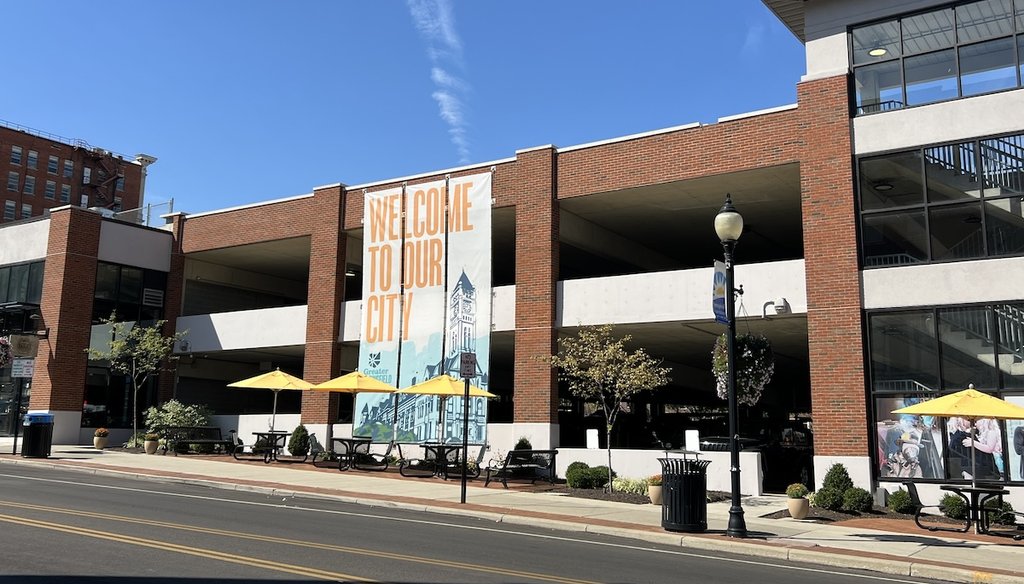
point(23, 367)
point(467, 366)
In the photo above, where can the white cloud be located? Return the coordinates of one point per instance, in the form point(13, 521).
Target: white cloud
point(754, 39)
point(436, 24)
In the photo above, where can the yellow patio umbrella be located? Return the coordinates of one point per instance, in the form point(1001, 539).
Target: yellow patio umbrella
point(444, 386)
point(276, 381)
point(355, 382)
point(969, 404)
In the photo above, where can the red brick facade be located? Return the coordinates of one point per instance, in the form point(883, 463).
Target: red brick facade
point(834, 327)
point(72, 247)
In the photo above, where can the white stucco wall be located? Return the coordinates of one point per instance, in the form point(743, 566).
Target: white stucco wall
point(939, 284)
point(127, 244)
point(269, 327)
point(674, 296)
point(949, 121)
point(24, 242)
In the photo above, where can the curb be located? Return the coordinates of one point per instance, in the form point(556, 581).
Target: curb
point(817, 555)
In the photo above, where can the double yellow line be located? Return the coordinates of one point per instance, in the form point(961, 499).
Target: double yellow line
point(248, 560)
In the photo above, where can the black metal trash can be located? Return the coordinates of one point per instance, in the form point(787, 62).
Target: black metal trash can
point(684, 491)
point(38, 437)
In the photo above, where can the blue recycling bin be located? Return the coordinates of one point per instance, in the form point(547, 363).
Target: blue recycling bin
point(38, 435)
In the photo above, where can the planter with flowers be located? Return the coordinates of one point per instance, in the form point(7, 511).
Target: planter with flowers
point(654, 488)
point(797, 502)
point(151, 442)
point(755, 365)
point(99, 438)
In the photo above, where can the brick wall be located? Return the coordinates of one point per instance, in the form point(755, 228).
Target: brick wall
point(834, 327)
point(536, 397)
point(69, 279)
point(173, 298)
point(326, 294)
point(281, 220)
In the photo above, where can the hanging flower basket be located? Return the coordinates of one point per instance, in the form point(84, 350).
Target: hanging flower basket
point(755, 365)
point(6, 356)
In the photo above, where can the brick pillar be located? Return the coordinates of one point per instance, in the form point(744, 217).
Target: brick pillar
point(536, 389)
point(834, 327)
point(326, 296)
point(173, 298)
point(69, 280)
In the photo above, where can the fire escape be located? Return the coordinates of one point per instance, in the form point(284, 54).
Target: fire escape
point(100, 183)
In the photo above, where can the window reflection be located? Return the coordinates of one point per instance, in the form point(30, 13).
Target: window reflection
point(983, 20)
point(956, 232)
point(967, 354)
point(904, 354)
point(891, 181)
point(893, 239)
point(931, 77)
point(952, 172)
point(1004, 226)
point(987, 67)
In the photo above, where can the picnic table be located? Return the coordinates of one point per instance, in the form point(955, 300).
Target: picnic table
point(977, 496)
point(346, 449)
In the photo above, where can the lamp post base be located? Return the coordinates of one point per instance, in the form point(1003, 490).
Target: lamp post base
point(737, 525)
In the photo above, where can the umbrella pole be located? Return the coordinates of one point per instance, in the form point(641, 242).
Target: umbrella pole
point(273, 413)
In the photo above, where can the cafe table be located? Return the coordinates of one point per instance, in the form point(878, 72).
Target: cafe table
point(347, 448)
point(978, 495)
point(440, 452)
point(275, 440)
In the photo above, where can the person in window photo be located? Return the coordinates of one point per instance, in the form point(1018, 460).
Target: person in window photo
point(985, 439)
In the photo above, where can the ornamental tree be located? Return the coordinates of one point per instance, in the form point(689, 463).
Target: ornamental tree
point(755, 365)
point(136, 352)
point(598, 367)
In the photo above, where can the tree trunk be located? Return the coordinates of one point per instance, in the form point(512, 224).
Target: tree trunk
point(608, 445)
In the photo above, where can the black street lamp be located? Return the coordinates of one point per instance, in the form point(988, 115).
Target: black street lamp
point(729, 226)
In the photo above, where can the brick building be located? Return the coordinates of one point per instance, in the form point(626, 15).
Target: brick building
point(45, 171)
point(882, 256)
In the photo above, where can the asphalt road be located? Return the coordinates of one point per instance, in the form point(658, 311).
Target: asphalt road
point(64, 526)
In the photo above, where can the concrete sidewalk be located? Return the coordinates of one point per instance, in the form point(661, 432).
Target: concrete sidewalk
point(892, 547)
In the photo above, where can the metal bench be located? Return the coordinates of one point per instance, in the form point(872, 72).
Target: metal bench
point(919, 508)
point(180, 438)
point(524, 465)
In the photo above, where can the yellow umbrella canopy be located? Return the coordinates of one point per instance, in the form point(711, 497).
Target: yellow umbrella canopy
point(275, 381)
point(968, 403)
point(445, 386)
point(355, 382)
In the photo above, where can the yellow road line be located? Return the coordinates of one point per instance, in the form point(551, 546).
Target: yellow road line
point(302, 543)
point(181, 549)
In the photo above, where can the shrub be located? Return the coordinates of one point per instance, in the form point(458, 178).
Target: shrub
point(796, 491)
point(101, 433)
point(175, 413)
point(599, 476)
point(654, 480)
point(837, 478)
point(953, 506)
point(1000, 515)
point(577, 476)
point(634, 486)
point(857, 499)
point(811, 498)
point(298, 444)
point(151, 436)
point(828, 498)
point(523, 444)
point(900, 502)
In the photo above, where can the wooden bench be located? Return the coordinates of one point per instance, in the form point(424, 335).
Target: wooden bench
point(524, 465)
point(179, 438)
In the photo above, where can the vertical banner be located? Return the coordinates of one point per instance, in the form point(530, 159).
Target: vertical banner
point(382, 314)
point(445, 307)
point(468, 326)
point(718, 293)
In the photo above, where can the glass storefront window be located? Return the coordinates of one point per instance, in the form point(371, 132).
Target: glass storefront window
point(955, 232)
point(909, 447)
point(1004, 226)
point(989, 66)
point(891, 181)
point(983, 20)
point(879, 87)
point(931, 77)
point(1010, 344)
point(904, 352)
point(967, 356)
point(877, 41)
point(894, 238)
point(952, 172)
point(1002, 161)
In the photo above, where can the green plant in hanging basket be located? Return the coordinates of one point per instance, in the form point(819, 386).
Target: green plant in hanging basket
point(755, 365)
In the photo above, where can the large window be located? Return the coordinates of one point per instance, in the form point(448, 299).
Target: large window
point(22, 283)
point(943, 203)
point(918, 355)
point(956, 51)
point(134, 293)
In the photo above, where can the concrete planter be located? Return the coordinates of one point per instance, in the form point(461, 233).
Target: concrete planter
point(798, 508)
point(654, 492)
point(99, 442)
point(151, 446)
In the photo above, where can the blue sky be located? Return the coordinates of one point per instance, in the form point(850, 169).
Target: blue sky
point(247, 101)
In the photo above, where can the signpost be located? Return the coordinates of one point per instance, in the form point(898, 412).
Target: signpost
point(467, 368)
